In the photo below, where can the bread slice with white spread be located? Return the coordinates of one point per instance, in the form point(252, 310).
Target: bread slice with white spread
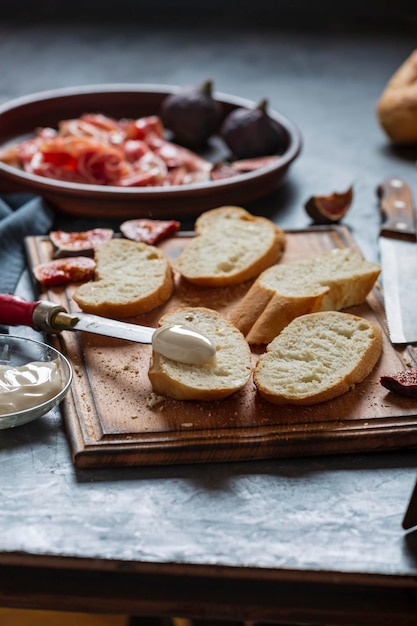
point(131, 278)
point(318, 357)
point(329, 281)
point(228, 373)
point(231, 246)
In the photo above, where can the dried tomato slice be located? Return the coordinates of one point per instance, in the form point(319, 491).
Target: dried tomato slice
point(149, 231)
point(64, 271)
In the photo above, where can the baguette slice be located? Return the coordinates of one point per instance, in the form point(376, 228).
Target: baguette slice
point(326, 282)
point(318, 357)
point(230, 247)
point(229, 373)
point(131, 278)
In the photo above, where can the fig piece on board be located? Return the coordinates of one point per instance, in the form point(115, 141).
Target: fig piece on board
point(192, 114)
point(149, 231)
point(331, 208)
point(250, 133)
point(78, 243)
point(74, 269)
point(221, 170)
point(402, 383)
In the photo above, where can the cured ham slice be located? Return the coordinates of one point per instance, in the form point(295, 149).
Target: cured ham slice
point(98, 150)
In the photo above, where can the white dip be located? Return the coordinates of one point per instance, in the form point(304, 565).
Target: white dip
point(29, 385)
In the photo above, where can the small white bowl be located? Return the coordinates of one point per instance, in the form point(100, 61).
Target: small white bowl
point(18, 351)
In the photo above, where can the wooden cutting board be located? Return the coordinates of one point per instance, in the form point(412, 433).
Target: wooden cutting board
point(113, 418)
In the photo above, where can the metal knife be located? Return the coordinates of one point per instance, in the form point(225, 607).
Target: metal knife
point(410, 516)
point(398, 250)
point(175, 342)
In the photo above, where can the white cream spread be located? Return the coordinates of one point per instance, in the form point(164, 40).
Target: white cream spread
point(28, 385)
point(183, 344)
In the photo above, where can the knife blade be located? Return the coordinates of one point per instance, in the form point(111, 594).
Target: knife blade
point(410, 516)
point(175, 342)
point(398, 252)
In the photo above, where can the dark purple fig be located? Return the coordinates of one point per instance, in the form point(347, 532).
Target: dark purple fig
point(253, 133)
point(403, 383)
point(192, 114)
point(330, 208)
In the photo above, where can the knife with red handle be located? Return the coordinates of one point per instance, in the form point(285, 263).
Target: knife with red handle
point(17, 312)
point(179, 343)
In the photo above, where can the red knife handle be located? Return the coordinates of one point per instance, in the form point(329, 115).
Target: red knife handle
point(40, 315)
point(15, 311)
point(397, 209)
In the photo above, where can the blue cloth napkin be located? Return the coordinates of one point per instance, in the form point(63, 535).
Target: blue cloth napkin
point(21, 215)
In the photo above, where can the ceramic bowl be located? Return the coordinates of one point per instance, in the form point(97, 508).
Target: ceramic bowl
point(19, 119)
point(18, 351)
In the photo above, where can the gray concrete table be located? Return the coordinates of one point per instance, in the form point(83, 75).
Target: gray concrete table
point(314, 540)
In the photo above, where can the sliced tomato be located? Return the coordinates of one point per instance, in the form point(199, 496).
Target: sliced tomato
point(149, 231)
point(64, 271)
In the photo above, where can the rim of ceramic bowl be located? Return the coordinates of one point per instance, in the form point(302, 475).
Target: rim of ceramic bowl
point(292, 151)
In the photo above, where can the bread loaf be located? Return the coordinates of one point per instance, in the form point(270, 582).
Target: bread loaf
point(230, 247)
point(131, 278)
point(329, 281)
point(318, 357)
point(229, 373)
point(397, 105)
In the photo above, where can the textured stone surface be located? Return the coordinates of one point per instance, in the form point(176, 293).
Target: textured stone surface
point(340, 513)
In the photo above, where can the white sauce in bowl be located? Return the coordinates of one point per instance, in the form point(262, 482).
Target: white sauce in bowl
point(29, 385)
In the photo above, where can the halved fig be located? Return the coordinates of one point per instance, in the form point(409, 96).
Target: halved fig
point(250, 165)
point(64, 271)
point(78, 243)
point(222, 170)
point(402, 383)
point(149, 231)
point(331, 208)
